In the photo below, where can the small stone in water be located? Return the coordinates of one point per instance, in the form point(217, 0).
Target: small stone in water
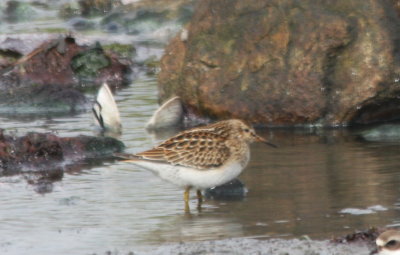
point(233, 190)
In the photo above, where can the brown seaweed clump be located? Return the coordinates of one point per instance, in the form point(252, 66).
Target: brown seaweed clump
point(42, 158)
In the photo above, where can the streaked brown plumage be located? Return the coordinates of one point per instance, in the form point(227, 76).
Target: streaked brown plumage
point(202, 157)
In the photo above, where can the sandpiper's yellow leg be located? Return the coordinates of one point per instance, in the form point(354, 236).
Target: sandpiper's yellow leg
point(186, 198)
point(199, 199)
point(199, 196)
point(186, 195)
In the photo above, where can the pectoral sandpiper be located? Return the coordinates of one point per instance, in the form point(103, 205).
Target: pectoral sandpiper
point(201, 157)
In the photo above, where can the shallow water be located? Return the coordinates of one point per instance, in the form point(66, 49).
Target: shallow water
point(316, 183)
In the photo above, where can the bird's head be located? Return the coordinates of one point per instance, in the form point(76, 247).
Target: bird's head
point(247, 133)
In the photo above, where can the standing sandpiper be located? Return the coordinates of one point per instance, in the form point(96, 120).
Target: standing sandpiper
point(389, 243)
point(202, 157)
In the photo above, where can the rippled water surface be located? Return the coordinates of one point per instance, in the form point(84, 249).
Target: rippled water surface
point(316, 183)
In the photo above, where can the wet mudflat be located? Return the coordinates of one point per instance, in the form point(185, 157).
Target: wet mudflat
point(317, 183)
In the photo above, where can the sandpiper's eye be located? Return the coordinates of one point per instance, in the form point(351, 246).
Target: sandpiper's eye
point(246, 130)
point(391, 243)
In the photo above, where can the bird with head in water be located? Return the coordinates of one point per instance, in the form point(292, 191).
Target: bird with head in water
point(388, 243)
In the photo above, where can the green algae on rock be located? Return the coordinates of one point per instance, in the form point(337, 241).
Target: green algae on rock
point(53, 77)
point(88, 63)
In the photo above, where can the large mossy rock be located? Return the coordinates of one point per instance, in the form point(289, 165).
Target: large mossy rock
point(288, 62)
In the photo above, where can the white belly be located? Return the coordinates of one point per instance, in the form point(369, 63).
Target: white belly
point(388, 252)
point(199, 179)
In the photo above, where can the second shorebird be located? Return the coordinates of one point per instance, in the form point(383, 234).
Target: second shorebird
point(202, 157)
point(388, 243)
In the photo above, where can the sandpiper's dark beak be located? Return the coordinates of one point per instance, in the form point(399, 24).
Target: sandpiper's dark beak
point(263, 140)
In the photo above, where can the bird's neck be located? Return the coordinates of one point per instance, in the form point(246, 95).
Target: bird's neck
point(240, 150)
